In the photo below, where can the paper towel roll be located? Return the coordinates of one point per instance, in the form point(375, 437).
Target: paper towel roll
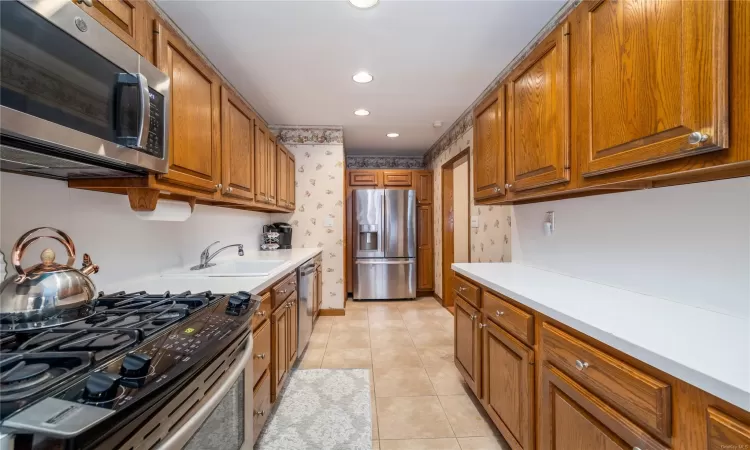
point(167, 211)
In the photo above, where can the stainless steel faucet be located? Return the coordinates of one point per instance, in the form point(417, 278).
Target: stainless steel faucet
point(206, 257)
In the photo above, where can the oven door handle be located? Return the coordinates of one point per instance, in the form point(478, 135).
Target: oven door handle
point(180, 437)
point(144, 118)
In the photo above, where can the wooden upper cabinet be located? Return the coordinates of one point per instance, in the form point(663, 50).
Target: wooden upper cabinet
point(396, 178)
point(291, 177)
point(573, 418)
point(272, 175)
point(653, 77)
point(363, 178)
point(121, 17)
point(539, 115)
point(238, 147)
point(467, 342)
point(282, 172)
point(508, 384)
point(726, 432)
point(261, 163)
point(489, 147)
point(424, 187)
point(194, 131)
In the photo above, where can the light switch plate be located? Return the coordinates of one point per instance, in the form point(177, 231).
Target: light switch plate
point(328, 222)
point(474, 221)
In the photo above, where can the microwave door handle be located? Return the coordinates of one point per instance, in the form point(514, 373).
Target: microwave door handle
point(144, 118)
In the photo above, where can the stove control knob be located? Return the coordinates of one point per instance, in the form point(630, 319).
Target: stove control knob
point(135, 365)
point(101, 387)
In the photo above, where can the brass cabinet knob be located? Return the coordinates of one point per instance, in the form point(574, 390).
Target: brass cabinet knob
point(482, 325)
point(580, 365)
point(499, 313)
point(696, 137)
point(218, 187)
point(88, 3)
point(260, 356)
point(228, 190)
point(260, 313)
point(259, 413)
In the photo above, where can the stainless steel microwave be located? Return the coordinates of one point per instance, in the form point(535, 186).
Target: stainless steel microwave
point(76, 101)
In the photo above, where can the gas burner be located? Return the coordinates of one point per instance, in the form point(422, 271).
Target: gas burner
point(24, 376)
point(137, 300)
point(103, 342)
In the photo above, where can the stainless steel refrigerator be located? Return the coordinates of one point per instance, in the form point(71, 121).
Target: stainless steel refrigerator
point(385, 244)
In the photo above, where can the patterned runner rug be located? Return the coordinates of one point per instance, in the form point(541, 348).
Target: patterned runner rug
point(321, 409)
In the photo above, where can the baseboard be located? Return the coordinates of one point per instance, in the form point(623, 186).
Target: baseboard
point(332, 312)
point(437, 297)
point(425, 294)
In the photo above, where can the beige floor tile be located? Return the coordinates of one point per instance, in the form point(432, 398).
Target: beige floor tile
point(312, 358)
point(374, 408)
point(465, 416)
point(380, 314)
point(354, 314)
point(375, 445)
point(437, 356)
point(483, 443)
point(318, 339)
point(349, 339)
point(412, 418)
point(402, 382)
point(388, 325)
point(395, 357)
point(425, 325)
point(323, 325)
point(390, 338)
point(347, 358)
point(428, 338)
point(420, 444)
point(351, 325)
point(446, 380)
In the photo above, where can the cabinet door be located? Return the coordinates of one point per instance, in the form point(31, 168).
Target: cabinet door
point(121, 17)
point(726, 432)
point(425, 264)
point(652, 74)
point(467, 343)
point(396, 178)
point(424, 187)
point(573, 418)
point(271, 149)
point(363, 178)
point(279, 348)
point(281, 174)
point(291, 177)
point(539, 116)
point(293, 326)
point(261, 163)
point(489, 147)
point(194, 130)
point(508, 384)
point(238, 147)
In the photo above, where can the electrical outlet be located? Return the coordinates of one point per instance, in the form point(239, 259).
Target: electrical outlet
point(549, 223)
point(474, 221)
point(328, 222)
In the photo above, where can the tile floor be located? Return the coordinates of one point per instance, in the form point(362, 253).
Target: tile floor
point(419, 399)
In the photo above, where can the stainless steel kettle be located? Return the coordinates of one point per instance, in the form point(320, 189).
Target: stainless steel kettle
point(47, 293)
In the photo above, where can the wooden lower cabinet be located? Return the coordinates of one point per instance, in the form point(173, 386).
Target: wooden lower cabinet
point(468, 345)
point(726, 432)
point(508, 385)
point(279, 349)
point(261, 404)
point(293, 327)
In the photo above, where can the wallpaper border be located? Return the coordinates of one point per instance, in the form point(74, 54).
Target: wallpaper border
point(308, 135)
point(385, 162)
point(466, 120)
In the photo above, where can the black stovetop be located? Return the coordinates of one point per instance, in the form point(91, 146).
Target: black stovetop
point(35, 364)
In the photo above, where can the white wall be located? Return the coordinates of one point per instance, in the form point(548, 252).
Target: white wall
point(104, 226)
point(689, 244)
point(461, 210)
point(319, 197)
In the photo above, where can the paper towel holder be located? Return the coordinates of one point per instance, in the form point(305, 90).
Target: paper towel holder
point(145, 199)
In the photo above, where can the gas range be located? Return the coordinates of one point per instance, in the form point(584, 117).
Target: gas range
point(61, 382)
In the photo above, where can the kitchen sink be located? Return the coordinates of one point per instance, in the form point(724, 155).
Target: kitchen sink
point(234, 268)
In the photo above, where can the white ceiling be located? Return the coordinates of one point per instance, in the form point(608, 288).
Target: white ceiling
point(293, 60)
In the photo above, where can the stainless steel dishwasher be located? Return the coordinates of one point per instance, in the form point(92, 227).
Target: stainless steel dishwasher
point(305, 294)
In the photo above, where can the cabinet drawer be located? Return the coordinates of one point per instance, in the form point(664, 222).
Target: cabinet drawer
point(466, 290)
point(644, 399)
point(725, 432)
point(261, 350)
point(284, 289)
point(263, 313)
point(396, 178)
point(514, 320)
point(261, 404)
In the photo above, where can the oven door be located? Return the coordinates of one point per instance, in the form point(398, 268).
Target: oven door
point(69, 85)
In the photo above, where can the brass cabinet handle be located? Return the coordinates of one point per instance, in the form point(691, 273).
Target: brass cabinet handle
point(260, 356)
point(283, 291)
point(259, 413)
point(260, 313)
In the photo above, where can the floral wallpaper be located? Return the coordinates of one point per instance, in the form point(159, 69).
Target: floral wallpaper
point(385, 162)
point(319, 197)
point(290, 135)
point(491, 241)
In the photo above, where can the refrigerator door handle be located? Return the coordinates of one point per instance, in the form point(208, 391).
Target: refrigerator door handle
point(384, 261)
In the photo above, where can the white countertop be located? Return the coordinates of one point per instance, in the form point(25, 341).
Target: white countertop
point(221, 285)
point(701, 347)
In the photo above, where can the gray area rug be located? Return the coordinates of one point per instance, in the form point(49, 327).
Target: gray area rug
point(321, 409)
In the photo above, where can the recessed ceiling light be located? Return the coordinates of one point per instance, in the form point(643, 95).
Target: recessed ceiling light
point(361, 112)
point(392, 135)
point(362, 77)
point(364, 4)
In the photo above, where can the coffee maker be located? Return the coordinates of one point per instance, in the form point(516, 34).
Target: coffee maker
point(285, 233)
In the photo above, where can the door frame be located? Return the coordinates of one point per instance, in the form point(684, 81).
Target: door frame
point(448, 253)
